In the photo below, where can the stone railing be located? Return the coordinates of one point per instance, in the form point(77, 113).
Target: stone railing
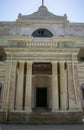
point(41, 44)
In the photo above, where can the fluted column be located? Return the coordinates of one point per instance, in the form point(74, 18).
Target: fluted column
point(20, 81)
point(63, 87)
point(28, 92)
point(12, 86)
point(55, 97)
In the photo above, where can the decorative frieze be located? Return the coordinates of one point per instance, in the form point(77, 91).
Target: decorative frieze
point(42, 44)
point(44, 57)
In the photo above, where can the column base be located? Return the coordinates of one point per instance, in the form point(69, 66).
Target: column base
point(28, 109)
point(55, 110)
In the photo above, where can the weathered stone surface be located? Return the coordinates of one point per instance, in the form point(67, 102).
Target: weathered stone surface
point(19, 88)
point(63, 87)
point(62, 83)
point(58, 25)
point(12, 86)
point(28, 89)
point(2, 116)
point(55, 93)
point(45, 118)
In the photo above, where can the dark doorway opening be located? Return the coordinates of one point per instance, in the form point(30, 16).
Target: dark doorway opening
point(41, 97)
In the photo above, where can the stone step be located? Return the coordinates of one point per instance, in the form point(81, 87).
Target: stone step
point(45, 117)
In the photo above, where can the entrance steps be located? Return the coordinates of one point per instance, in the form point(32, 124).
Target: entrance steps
point(40, 117)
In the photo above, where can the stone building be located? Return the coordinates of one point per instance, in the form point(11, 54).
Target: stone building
point(41, 69)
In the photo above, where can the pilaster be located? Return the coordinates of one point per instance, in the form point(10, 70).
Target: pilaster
point(73, 87)
point(55, 97)
point(12, 86)
point(6, 87)
point(63, 87)
point(28, 90)
point(20, 81)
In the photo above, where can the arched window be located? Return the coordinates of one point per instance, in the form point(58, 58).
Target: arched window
point(42, 33)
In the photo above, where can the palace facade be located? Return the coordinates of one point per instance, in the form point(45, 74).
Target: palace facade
point(41, 68)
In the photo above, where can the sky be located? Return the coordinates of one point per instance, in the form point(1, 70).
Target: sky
point(9, 9)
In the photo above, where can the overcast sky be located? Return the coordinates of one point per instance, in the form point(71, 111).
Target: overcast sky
point(9, 9)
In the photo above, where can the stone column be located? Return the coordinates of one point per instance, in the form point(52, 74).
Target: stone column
point(73, 87)
point(28, 90)
point(55, 97)
point(12, 86)
point(19, 91)
point(5, 89)
point(63, 87)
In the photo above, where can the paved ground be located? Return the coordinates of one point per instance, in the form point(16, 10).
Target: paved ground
point(41, 127)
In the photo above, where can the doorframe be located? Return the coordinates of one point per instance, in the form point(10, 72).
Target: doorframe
point(36, 95)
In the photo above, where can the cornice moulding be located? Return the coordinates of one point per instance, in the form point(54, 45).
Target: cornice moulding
point(30, 38)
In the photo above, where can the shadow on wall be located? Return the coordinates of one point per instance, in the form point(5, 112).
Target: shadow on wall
point(82, 90)
point(2, 54)
point(0, 94)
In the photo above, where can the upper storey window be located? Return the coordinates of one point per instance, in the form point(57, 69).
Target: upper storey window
point(42, 33)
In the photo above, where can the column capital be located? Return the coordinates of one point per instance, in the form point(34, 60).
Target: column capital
point(14, 61)
point(68, 62)
point(54, 62)
point(62, 61)
point(29, 62)
point(21, 61)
